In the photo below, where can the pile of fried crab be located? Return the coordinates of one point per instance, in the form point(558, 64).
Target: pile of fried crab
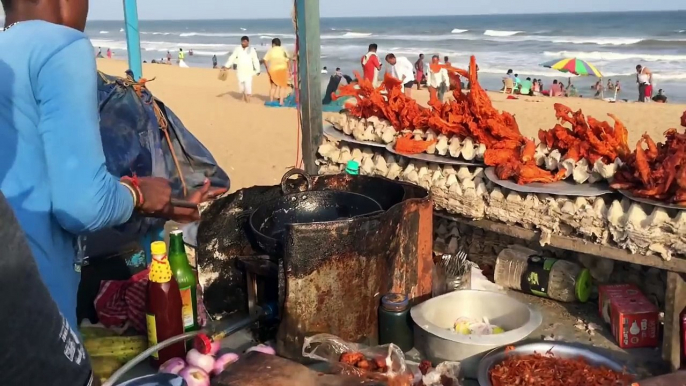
point(657, 171)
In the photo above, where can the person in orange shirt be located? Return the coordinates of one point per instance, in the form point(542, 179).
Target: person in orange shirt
point(276, 60)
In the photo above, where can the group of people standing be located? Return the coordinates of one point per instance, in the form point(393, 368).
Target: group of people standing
point(435, 75)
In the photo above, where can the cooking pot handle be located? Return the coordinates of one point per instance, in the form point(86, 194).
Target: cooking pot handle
point(293, 172)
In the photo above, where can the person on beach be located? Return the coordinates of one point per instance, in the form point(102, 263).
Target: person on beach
point(190, 52)
point(336, 80)
point(510, 74)
point(371, 65)
point(526, 88)
point(52, 164)
point(555, 89)
point(182, 57)
point(644, 78)
point(169, 57)
point(437, 79)
point(598, 87)
point(99, 54)
point(660, 97)
point(109, 53)
point(419, 71)
point(324, 70)
point(517, 81)
point(446, 61)
point(36, 321)
point(276, 61)
point(610, 85)
point(536, 87)
point(247, 66)
point(214, 61)
point(401, 68)
point(618, 88)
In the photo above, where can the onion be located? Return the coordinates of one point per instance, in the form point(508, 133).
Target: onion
point(195, 376)
point(172, 366)
point(223, 362)
point(264, 349)
point(196, 359)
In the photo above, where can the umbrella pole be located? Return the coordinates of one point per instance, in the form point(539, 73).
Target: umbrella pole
point(602, 89)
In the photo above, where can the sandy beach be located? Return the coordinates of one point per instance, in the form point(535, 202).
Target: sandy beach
point(257, 144)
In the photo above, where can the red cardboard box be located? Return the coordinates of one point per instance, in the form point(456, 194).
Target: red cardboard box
point(634, 318)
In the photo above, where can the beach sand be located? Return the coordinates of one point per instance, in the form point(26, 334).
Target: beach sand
point(255, 144)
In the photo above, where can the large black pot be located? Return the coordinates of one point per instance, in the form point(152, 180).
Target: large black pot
point(268, 222)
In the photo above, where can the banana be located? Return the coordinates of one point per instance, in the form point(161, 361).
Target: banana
point(103, 367)
point(122, 348)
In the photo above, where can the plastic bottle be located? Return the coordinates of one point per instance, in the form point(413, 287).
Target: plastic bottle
point(185, 277)
point(525, 270)
point(352, 168)
point(395, 324)
point(163, 306)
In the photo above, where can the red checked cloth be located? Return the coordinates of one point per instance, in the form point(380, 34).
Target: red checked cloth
point(122, 302)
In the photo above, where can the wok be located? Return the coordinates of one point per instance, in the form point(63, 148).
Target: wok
point(268, 222)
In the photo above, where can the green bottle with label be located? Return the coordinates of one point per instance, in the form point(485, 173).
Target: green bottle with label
point(184, 275)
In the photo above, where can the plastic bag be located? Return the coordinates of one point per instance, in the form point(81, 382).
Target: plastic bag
point(329, 348)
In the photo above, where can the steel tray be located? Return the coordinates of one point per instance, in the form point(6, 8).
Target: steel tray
point(559, 349)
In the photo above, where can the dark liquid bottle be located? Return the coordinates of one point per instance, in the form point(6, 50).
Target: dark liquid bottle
point(163, 306)
point(395, 323)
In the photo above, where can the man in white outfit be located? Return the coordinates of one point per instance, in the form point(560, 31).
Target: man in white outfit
point(403, 69)
point(247, 66)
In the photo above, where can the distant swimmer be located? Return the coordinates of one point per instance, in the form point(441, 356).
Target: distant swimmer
point(371, 65)
point(190, 52)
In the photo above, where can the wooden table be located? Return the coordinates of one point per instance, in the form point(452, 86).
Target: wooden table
point(675, 295)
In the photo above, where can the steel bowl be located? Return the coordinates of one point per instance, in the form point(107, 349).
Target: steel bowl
point(436, 340)
point(559, 349)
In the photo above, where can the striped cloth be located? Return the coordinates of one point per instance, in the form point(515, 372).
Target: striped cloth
point(121, 303)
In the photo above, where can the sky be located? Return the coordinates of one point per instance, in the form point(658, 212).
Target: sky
point(264, 9)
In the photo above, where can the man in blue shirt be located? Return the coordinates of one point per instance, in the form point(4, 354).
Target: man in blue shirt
point(52, 165)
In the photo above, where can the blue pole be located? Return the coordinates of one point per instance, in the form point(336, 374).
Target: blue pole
point(133, 39)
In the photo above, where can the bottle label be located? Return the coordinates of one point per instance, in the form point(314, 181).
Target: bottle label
point(537, 275)
point(152, 333)
point(187, 308)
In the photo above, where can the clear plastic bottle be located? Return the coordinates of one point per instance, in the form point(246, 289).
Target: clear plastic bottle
point(526, 270)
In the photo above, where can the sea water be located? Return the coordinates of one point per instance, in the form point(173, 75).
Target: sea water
point(614, 42)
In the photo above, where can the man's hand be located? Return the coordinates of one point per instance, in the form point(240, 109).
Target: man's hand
point(205, 193)
point(157, 199)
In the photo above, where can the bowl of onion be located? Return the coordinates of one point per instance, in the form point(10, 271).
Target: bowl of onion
point(197, 369)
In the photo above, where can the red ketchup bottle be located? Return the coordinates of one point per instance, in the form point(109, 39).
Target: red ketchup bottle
point(163, 306)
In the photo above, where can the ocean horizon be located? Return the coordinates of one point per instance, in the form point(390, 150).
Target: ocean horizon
point(615, 42)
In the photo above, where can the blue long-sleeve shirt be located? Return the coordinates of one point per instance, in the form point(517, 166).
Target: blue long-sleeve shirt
point(52, 166)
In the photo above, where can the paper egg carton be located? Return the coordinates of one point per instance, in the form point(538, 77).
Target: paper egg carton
point(464, 191)
point(370, 129)
point(449, 146)
point(580, 171)
point(647, 230)
point(460, 190)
